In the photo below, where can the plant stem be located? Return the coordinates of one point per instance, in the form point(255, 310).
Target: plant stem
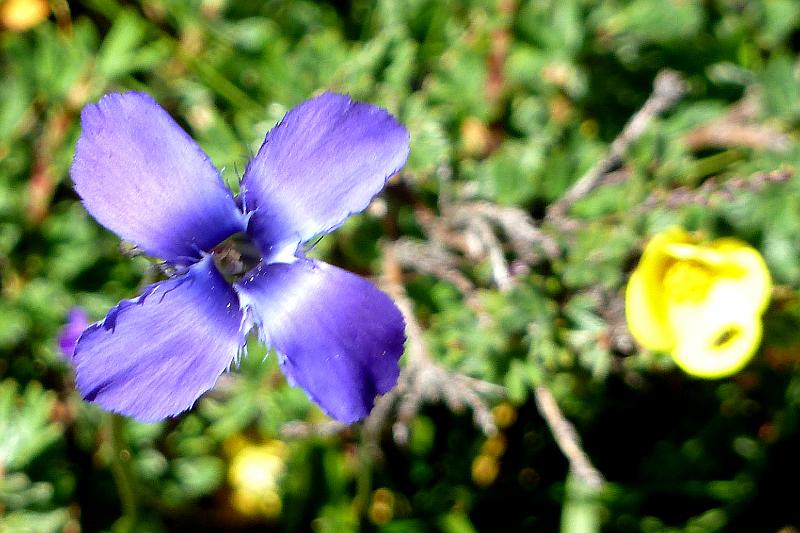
point(580, 512)
point(121, 471)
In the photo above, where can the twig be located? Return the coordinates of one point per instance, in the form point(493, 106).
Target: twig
point(468, 228)
point(42, 182)
point(713, 191)
point(298, 429)
point(736, 128)
point(612, 310)
point(563, 431)
point(422, 380)
point(518, 226)
point(434, 259)
point(392, 275)
point(492, 249)
point(668, 88)
point(567, 438)
point(722, 134)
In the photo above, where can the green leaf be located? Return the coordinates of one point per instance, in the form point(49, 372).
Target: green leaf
point(117, 52)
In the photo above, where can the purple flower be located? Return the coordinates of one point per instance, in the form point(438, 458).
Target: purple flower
point(77, 321)
point(239, 262)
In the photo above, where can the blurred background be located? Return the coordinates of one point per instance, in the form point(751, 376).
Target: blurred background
point(512, 302)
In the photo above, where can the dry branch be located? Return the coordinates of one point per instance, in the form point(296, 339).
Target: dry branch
point(421, 380)
point(567, 438)
point(714, 190)
point(668, 88)
point(737, 128)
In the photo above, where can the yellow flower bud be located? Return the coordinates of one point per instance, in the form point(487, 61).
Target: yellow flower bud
point(494, 446)
point(504, 414)
point(700, 302)
point(381, 509)
point(484, 470)
point(248, 503)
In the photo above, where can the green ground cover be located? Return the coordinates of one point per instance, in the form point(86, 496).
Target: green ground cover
point(509, 103)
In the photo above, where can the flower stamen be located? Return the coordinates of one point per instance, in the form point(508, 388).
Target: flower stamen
point(235, 256)
point(725, 337)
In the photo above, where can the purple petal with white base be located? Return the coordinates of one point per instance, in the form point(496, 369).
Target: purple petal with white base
point(326, 160)
point(338, 337)
point(153, 356)
point(141, 176)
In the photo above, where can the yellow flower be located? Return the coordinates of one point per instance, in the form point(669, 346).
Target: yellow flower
point(701, 302)
point(258, 468)
point(254, 475)
point(21, 15)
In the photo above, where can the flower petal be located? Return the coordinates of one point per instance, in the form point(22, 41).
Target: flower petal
point(746, 265)
point(644, 315)
point(718, 336)
point(77, 322)
point(141, 176)
point(339, 338)
point(153, 356)
point(324, 161)
point(645, 308)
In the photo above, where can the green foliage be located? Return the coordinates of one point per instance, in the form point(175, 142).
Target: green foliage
point(27, 434)
point(508, 102)
point(25, 423)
